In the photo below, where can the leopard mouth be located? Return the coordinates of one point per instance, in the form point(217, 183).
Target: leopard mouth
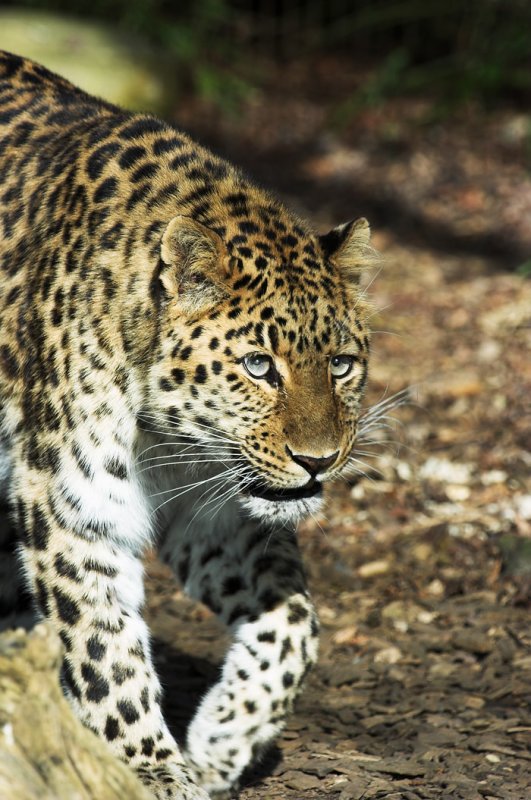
point(265, 492)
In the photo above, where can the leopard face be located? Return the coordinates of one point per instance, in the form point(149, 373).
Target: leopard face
point(264, 365)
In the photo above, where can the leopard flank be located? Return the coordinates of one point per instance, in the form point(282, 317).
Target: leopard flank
point(182, 362)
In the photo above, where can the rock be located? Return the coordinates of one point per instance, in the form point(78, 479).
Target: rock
point(444, 471)
point(401, 610)
point(300, 781)
point(400, 767)
point(493, 476)
point(341, 674)
point(373, 568)
point(426, 617)
point(354, 789)
point(473, 701)
point(388, 655)
point(441, 669)
point(349, 636)
point(436, 588)
point(93, 56)
point(523, 505)
point(473, 641)
point(456, 492)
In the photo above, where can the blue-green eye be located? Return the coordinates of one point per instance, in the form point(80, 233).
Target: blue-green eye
point(341, 366)
point(258, 365)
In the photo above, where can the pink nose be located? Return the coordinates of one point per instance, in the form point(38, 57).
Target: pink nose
point(312, 464)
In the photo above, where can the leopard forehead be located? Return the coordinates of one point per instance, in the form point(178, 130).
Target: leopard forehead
point(283, 293)
point(284, 298)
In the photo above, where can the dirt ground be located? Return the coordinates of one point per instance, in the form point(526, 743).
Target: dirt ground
point(421, 568)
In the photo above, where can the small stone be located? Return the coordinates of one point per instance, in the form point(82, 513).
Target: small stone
point(404, 471)
point(388, 655)
point(523, 663)
point(436, 588)
point(349, 635)
point(516, 129)
point(373, 568)
point(473, 641)
point(492, 758)
point(489, 350)
point(300, 781)
point(441, 669)
point(401, 610)
point(456, 492)
point(523, 505)
point(422, 551)
point(401, 767)
point(401, 625)
point(358, 491)
point(426, 617)
point(473, 701)
point(493, 476)
point(354, 789)
point(444, 471)
point(341, 674)
point(327, 614)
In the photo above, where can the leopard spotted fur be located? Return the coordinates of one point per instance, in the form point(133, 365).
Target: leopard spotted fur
point(181, 362)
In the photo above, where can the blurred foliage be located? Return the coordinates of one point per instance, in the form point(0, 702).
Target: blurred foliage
point(451, 50)
point(454, 51)
point(193, 35)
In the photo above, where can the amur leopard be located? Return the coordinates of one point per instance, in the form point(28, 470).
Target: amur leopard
point(182, 361)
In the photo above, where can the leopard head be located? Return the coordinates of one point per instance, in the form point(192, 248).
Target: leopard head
point(264, 353)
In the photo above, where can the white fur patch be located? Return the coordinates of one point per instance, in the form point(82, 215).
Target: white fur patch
point(283, 511)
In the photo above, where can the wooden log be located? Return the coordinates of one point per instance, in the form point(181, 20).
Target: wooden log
point(45, 751)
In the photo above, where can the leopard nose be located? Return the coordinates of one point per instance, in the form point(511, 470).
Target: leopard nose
point(312, 464)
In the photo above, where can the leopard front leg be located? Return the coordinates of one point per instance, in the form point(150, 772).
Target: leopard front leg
point(253, 580)
point(81, 557)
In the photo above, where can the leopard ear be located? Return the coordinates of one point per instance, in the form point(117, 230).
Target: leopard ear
point(194, 264)
point(349, 247)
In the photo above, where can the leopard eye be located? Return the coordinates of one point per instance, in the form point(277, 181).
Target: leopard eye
point(340, 366)
point(257, 365)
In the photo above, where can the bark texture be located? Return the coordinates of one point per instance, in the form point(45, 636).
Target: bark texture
point(45, 751)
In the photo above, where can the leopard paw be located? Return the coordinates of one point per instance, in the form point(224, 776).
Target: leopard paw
point(170, 782)
point(220, 781)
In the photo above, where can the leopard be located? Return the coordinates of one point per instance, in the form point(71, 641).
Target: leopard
point(182, 366)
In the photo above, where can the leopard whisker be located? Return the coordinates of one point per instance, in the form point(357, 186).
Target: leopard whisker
point(400, 398)
point(375, 424)
point(214, 432)
point(206, 448)
point(228, 495)
point(183, 490)
point(185, 463)
point(315, 519)
point(370, 453)
point(233, 490)
point(187, 487)
point(215, 455)
point(352, 467)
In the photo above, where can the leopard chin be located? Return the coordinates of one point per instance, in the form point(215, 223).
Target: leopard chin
point(285, 506)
